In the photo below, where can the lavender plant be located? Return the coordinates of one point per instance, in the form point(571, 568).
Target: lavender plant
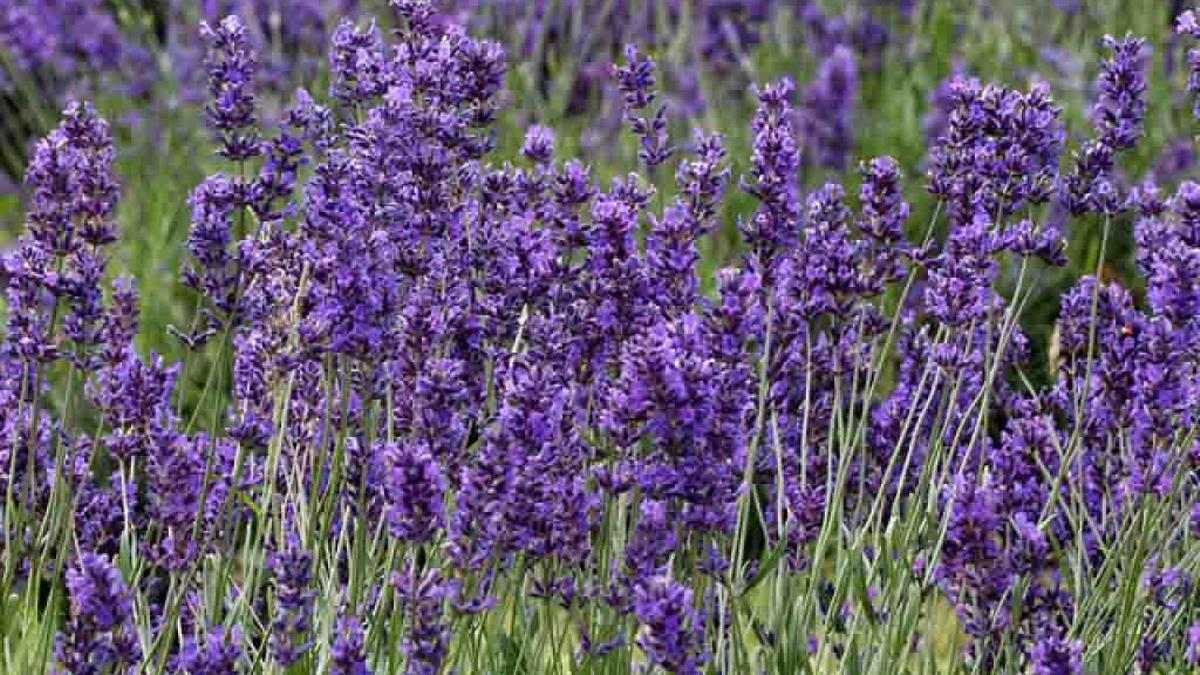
point(475, 416)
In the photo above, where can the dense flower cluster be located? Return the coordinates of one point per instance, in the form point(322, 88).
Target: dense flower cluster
point(486, 417)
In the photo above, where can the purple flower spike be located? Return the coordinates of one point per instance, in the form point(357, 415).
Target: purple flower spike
point(232, 68)
point(1000, 150)
point(672, 631)
point(636, 79)
point(638, 87)
point(774, 228)
point(1188, 24)
point(1055, 656)
point(349, 651)
point(291, 571)
point(100, 635)
point(414, 492)
point(358, 65)
point(220, 651)
point(1193, 648)
point(702, 180)
point(826, 116)
point(1120, 105)
point(539, 145)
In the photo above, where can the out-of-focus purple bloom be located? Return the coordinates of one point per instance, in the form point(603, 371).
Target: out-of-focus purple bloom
point(288, 36)
point(61, 42)
point(28, 42)
point(1177, 160)
point(936, 121)
point(826, 113)
point(730, 28)
point(1066, 68)
point(1193, 648)
point(1189, 24)
point(862, 32)
point(1168, 587)
point(1150, 652)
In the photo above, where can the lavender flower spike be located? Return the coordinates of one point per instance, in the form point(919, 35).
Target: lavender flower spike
point(100, 634)
point(1188, 23)
point(826, 117)
point(639, 89)
point(1120, 106)
point(232, 66)
point(672, 631)
point(349, 657)
point(292, 573)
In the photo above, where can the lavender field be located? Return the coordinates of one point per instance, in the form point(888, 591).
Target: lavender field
point(602, 337)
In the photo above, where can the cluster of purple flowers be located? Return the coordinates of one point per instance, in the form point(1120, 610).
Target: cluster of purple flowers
point(59, 40)
point(467, 396)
